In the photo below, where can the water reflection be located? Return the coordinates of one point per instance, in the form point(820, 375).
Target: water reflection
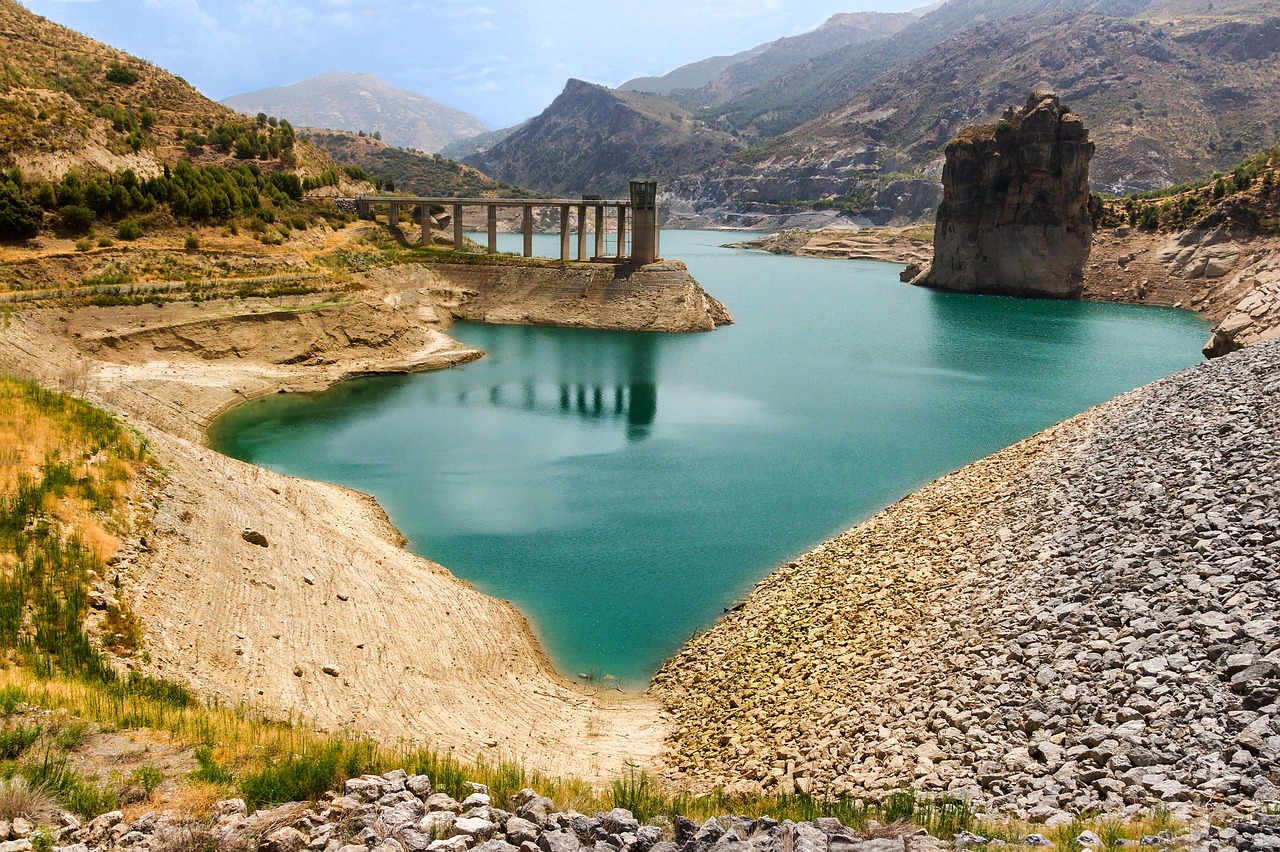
point(615, 380)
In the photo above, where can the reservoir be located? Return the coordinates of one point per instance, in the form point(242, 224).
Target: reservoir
point(624, 488)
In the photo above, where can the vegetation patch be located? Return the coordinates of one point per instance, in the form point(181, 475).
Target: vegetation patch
point(1248, 196)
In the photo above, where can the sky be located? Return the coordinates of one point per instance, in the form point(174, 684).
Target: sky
point(500, 60)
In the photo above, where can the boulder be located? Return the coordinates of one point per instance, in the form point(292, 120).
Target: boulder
point(1015, 216)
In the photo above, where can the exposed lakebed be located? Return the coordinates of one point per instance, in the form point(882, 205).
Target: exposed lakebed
point(623, 488)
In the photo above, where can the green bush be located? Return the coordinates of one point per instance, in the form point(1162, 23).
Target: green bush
point(18, 217)
point(130, 229)
point(210, 771)
point(76, 218)
point(121, 76)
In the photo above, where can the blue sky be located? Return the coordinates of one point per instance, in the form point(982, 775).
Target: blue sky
point(501, 60)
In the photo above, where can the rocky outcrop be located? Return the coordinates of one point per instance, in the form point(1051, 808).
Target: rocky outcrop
point(1257, 316)
point(1231, 276)
point(1015, 216)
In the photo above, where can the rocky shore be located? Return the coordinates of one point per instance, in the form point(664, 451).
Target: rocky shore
point(399, 812)
point(1085, 620)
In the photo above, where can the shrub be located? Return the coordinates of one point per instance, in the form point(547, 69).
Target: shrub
point(297, 777)
point(147, 777)
point(130, 229)
point(84, 244)
point(105, 242)
point(192, 242)
point(16, 740)
point(122, 76)
point(21, 798)
point(210, 771)
point(76, 218)
point(18, 217)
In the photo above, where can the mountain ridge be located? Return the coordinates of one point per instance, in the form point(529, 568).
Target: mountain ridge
point(343, 100)
point(594, 139)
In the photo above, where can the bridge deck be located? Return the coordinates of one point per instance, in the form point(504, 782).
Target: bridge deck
point(641, 208)
point(492, 202)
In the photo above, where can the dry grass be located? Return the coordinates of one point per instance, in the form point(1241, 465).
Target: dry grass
point(18, 798)
point(32, 435)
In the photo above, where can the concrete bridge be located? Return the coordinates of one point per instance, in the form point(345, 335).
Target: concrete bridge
point(608, 214)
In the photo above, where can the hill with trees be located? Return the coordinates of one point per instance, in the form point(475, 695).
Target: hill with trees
point(94, 141)
point(413, 172)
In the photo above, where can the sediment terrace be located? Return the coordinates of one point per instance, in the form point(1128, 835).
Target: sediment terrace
point(1083, 620)
point(298, 597)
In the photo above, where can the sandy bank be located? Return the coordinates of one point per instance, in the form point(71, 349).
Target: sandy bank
point(332, 620)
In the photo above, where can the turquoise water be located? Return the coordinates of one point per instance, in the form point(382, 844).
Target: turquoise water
point(623, 488)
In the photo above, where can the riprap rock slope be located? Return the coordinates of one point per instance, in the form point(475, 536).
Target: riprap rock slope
point(1084, 620)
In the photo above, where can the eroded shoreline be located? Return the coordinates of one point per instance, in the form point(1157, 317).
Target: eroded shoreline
point(444, 659)
point(332, 620)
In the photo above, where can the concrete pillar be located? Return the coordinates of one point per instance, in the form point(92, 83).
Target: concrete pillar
point(362, 208)
point(491, 220)
point(457, 228)
point(526, 226)
point(599, 231)
point(622, 232)
point(644, 238)
point(424, 219)
point(393, 214)
point(582, 232)
point(564, 231)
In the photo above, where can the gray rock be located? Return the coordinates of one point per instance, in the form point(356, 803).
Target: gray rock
point(460, 843)
point(413, 840)
point(558, 841)
point(536, 810)
point(475, 828)
point(619, 821)
point(968, 838)
point(519, 830)
point(442, 802)
point(287, 839)
point(495, 846)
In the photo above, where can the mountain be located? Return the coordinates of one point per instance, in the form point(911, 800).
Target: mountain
point(413, 172)
point(477, 144)
point(695, 75)
point(824, 83)
point(594, 139)
point(68, 102)
point(846, 31)
point(361, 102)
point(1166, 102)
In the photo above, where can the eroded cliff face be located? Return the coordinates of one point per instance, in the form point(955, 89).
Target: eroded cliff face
point(1015, 217)
point(662, 296)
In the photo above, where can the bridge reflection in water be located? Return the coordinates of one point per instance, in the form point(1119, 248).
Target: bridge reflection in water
point(617, 386)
